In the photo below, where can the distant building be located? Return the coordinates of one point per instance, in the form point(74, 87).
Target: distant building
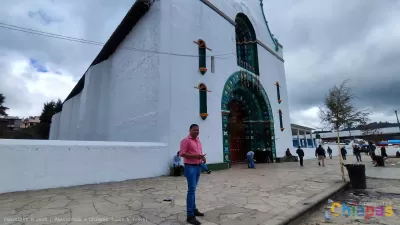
point(30, 121)
point(11, 123)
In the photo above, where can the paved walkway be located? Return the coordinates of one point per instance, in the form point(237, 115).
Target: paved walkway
point(378, 192)
point(390, 171)
point(239, 195)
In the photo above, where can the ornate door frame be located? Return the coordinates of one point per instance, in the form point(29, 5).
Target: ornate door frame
point(259, 103)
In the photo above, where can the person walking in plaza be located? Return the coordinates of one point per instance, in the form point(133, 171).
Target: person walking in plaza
point(343, 152)
point(250, 159)
point(300, 153)
point(330, 152)
point(192, 152)
point(383, 152)
point(357, 153)
point(321, 155)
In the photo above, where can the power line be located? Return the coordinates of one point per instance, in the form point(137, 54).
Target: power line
point(84, 41)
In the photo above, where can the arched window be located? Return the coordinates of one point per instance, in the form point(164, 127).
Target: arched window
point(246, 44)
point(203, 100)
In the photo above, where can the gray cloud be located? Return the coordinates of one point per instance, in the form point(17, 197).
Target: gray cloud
point(326, 42)
point(92, 20)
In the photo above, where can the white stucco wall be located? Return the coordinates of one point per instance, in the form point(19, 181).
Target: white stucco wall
point(134, 82)
point(55, 126)
point(38, 164)
point(193, 20)
point(150, 96)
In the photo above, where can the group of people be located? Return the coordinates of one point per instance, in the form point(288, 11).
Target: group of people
point(320, 153)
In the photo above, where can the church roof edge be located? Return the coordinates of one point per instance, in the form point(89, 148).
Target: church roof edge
point(136, 12)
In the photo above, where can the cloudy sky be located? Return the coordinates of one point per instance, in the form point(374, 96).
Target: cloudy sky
point(325, 42)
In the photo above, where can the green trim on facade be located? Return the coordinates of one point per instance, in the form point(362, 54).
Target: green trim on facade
point(202, 57)
point(274, 40)
point(218, 166)
point(245, 88)
point(231, 21)
point(203, 101)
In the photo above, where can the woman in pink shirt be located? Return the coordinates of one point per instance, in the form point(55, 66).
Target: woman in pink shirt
point(191, 151)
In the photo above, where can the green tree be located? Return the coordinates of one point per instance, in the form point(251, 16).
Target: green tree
point(3, 109)
point(48, 111)
point(58, 106)
point(339, 112)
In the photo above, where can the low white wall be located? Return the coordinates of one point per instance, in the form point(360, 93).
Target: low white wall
point(40, 164)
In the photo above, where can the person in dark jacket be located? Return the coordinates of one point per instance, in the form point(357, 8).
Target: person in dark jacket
point(300, 153)
point(330, 152)
point(383, 152)
point(321, 155)
point(357, 153)
point(343, 152)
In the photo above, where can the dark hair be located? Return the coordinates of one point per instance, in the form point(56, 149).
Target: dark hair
point(193, 125)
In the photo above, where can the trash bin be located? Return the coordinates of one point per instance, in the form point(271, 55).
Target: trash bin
point(379, 160)
point(357, 175)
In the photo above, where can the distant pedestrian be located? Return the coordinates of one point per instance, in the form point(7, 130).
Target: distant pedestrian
point(300, 153)
point(357, 153)
point(343, 152)
point(250, 159)
point(330, 152)
point(383, 152)
point(191, 151)
point(289, 155)
point(321, 155)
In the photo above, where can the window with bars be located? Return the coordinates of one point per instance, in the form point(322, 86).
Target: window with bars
point(246, 44)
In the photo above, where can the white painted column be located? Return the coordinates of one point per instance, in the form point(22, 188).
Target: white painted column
point(298, 138)
point(305, 138)
point(312, 140)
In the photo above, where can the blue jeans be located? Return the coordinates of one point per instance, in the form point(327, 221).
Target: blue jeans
point(192, 174)
point(250, 161)
point(204, 167)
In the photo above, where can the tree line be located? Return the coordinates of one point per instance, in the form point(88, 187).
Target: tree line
point(41, 130)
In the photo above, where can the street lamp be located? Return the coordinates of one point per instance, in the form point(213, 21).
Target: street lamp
point(398, 123)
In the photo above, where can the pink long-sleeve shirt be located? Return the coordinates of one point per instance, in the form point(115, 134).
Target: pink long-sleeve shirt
point(192, 146)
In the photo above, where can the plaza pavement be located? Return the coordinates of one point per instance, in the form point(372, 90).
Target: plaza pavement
point(382, 189)
point(268, 194)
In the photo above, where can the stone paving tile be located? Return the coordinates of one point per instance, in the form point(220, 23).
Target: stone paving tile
point(235, 196)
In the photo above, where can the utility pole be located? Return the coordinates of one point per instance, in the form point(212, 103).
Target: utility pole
point(398, 123)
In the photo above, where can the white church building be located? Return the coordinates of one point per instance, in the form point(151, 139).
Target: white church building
point(173, 63)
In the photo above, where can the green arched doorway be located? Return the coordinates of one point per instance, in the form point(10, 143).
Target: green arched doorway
point(247, 119)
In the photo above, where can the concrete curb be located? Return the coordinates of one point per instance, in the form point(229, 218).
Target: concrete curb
point(296, 212)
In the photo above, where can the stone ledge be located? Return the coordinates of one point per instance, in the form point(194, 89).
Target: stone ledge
point(296, 213)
